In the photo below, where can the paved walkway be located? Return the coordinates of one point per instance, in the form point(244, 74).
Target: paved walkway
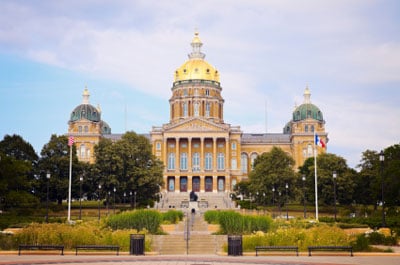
point(303, 259)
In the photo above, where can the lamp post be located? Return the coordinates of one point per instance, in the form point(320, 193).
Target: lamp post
point(286, 202)
point(114, 200)
point(334, 191)
point(98, 198)
point(124, 197)
point(273, 201)
point(108, 202)
point(304, 196)
point(47, 197)
point(80, 197)
point(130, 193)
point(382, 159)
point(134, 205)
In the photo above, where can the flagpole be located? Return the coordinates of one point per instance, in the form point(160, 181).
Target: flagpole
point(69, 183)
point(315, 180)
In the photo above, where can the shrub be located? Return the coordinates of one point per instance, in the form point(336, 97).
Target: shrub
point(88, 233)
point(172, 216)
point(149, 220)
point(234, 223)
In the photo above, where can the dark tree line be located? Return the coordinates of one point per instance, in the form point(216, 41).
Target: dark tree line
point(126, 165)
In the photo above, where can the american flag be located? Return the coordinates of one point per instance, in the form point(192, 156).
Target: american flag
point(70, 141)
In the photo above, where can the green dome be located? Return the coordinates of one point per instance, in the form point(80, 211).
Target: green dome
point(307, 111)
point(85, 111)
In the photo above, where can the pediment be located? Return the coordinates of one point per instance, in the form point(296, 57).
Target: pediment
point(193, 125)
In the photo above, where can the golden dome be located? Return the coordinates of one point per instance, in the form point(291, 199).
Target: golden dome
point(196, 67)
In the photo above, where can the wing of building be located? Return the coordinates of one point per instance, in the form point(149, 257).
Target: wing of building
point(199, 150)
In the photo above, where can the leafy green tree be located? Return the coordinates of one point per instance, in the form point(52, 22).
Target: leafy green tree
point(391, 175)
point(327, 164)
point(368, 181)
point(129, 166)
point(272, 170)
point(55, 159)
point(17, 160)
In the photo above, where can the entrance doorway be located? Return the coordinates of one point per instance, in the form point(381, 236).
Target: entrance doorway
point(171, 184)
point(196, 184)
point(221, 183)
point(183, 184)
point(209, 184)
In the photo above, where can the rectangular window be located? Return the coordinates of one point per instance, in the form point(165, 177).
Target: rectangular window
point(208, 161)
point(233, 145)
point(184, 162)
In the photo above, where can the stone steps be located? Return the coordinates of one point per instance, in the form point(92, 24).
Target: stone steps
point(200, 239)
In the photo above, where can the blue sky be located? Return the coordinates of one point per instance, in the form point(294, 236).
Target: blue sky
point(125, 52)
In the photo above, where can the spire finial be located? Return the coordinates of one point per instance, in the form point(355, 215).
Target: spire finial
point(307, 95)
point(85, 96)
point(196, 46)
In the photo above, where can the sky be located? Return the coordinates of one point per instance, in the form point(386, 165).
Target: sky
point(267, 51)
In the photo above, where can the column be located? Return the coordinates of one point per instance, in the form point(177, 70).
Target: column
point(214, 163)
point(190, 154)
point(227, 165)
point(164, 155)
point(177, 158)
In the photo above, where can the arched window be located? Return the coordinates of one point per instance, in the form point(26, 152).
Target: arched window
point(184, 164)
point(80, 129)
point(312, 128)
point(196, 109)
point(306, 128)
point(208, 161)
point(171, 161)
point(83, 151)
point(220, 161)
point(207, 109)
point(243, 163)
point(309, 150)
point(233, 163)
point(86, 129)
point(196, 162)
point(185, 109)
point(252, 158)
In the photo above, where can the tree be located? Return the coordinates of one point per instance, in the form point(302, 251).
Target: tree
point(55, 160)
point(129, 166)
point(327, 164)
point(272, 170)
point(17, 161)
point(368, 183)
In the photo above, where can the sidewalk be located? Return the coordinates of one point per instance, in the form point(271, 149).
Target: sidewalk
point(303, 259)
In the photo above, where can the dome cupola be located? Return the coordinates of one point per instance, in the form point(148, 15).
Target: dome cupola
point(307, 110)
point(196, 67)
point(85, 110)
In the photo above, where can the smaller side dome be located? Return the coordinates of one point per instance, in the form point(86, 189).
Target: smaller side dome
point(105, 128)
point(307, 110)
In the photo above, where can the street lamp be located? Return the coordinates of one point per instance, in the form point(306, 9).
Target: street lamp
point(47, 197)
point(304, 196)
point(124, 197)
point(134, 205)
point(114, 199)
point(98, 198)
point(334, 191)
point(287, 211)
point(80, 197)
point(382, 159)
point(273, 201)
point(130, 193)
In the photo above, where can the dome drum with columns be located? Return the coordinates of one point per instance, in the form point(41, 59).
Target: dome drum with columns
point(199, 150)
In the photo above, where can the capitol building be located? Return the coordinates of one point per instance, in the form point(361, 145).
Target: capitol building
point(200, 151)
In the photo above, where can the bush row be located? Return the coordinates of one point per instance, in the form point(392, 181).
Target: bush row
point(233, 223)
point(149, 220)
point(90, 233)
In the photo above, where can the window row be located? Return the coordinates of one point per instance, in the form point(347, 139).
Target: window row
point(208, 161)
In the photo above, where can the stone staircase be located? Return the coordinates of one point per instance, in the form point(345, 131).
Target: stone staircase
point(191, 236)
point(206, 201)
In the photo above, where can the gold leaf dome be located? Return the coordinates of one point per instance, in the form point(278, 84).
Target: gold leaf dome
point(196, 67)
